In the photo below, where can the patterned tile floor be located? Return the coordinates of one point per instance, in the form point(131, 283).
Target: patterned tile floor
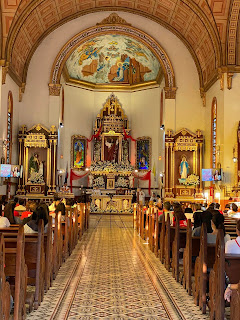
point(113, 275)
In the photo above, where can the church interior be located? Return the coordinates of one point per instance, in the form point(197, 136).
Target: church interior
point(120, 159)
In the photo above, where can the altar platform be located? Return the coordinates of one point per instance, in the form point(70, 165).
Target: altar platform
point(111, 203)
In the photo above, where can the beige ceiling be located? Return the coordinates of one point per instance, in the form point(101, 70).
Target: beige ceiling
point(207, 27)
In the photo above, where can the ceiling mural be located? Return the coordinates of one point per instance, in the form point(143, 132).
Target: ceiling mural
point(113, 58)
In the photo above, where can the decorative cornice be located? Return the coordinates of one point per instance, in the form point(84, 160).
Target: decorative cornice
point(170, 93)
point(54, 89)
point(21, 91)
point(114, 18)
point(4, 74)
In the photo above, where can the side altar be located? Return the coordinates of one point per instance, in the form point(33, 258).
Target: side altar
point(38, 155)
point(183, 156)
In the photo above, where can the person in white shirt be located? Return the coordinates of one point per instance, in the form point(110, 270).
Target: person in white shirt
point(153, 198)
point(233, 246)
point(141, 197)
point(4, 222)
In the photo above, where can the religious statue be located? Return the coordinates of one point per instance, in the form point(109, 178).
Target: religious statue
point(34, 164)
point(131, 182)
point(184, 168)
point(111, 150)
point(35, 169)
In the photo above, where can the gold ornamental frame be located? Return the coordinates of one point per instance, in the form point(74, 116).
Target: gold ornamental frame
point(150, 153)
point(112, 134)
point(80, 137)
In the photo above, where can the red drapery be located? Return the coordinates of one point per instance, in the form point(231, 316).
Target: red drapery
point(128, 136)
point(76, 176)
point(95, 135)
point(146, 176)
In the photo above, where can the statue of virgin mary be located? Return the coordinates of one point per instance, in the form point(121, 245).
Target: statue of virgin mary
point(184, 168)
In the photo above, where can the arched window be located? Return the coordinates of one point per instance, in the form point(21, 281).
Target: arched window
point(214, 133)
point(9, 127)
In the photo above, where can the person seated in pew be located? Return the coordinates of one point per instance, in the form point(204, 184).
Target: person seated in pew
point(227, 208)
point(19, 208)
point(178, 212)
point(4, 222)
point(206, 218)
point(56, 201)
point(32, 225)
point(197, 216)
point(233, 211)
point(189, 213)
point(217, 223)
point(9, 209)
point(167, 211)
point(218, 207)
point(228, 291)
point(233, 246)
point(61, 208)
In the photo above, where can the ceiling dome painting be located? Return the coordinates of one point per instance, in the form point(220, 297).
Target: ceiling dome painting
point(113, 59)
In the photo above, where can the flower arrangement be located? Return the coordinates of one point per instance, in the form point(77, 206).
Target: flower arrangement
point(99, 182)
point(121, 182)
point(108, 166)
point(36, 178)
point(191, 180)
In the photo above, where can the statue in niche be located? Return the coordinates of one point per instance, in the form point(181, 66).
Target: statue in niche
point(131, 182)
point(111, 149)
point(35, 169)
point(90, 181)
point(184, 168)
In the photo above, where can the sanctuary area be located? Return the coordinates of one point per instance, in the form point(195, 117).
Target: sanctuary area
point(120, 159)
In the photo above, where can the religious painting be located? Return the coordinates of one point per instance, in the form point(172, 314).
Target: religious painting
point(111, 148)
point(78, 152)
point(144, 153)
point(113, 58)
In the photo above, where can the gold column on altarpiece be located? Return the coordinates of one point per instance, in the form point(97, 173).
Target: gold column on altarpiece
point(166, 169)
point(26, 165)
point(48, 152)
point(54, 165)
point(50, 166)
point(172, 166)
point(201, 154)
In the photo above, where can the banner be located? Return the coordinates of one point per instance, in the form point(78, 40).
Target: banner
point(76, 176)
point(128, 136)
point(145, 177)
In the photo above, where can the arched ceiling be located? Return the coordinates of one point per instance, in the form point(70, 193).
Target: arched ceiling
point(207, 27)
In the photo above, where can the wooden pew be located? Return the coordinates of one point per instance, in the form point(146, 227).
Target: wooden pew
point(167, 248)
point(228, 263)
point(235, 304)
point(35, 261)
point(16, 270)
point(191, 250)
point(162, 240)
point(48, 249)
point(204, 261)
point(175, 252)
point(4, 285)
point(158, 227)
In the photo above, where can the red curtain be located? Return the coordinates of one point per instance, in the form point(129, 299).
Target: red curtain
point(146, 176)
point(128, 136)
point(76, 176)
point(95, 135)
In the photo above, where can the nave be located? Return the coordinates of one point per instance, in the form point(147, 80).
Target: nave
point(112, 274)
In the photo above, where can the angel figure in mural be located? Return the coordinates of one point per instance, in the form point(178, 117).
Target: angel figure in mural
point(184, 168)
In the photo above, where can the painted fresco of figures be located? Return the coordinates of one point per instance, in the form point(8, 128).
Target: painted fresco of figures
point(184, 168)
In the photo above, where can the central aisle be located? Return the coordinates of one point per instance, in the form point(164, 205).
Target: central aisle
point(112, 275)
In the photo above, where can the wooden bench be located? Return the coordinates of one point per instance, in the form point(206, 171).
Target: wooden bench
point(162, 241)
point(204, 261)
point(191, 250)
point(16, 270)
point(228, 263)
point(4, 285)
point(235, 304)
